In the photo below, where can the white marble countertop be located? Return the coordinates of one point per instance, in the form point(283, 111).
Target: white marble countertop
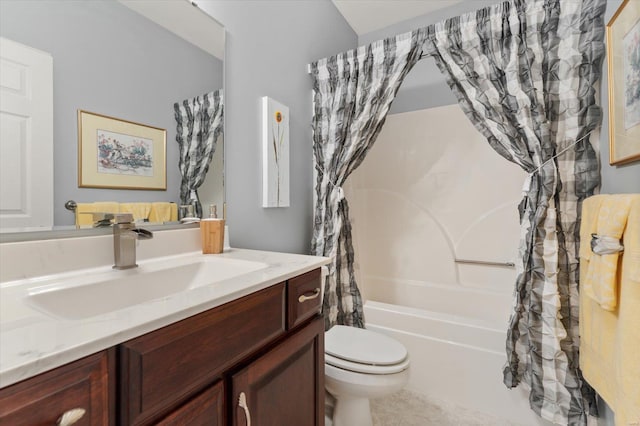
point(32, 341)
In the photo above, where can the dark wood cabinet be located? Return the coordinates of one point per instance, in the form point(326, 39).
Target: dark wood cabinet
point(268, 345)
point(285, 386)
point(303, 298)
point(85, 385)
point(206, 409)
point(161, 369)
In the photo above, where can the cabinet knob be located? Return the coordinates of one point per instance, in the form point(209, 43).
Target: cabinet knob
point(313, 295)
point(242, 402)
point(70, 417)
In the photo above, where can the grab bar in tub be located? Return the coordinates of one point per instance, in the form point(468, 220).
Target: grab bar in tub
point(484, 262)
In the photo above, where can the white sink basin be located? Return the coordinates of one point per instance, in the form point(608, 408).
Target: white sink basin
point(89, 293)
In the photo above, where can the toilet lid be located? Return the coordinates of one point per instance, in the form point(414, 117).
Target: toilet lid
point(361, 346)
point(364, 368)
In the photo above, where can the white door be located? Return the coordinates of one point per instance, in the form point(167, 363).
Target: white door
point(26, 138)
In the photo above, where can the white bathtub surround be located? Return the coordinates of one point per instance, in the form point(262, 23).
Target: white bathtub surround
point(448, 196)
point(33, 341)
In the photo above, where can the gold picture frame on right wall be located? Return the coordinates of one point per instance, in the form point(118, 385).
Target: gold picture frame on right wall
point(623, 58)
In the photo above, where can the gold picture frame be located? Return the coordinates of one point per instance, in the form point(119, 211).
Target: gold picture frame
point(120, 154)
point(623, 59)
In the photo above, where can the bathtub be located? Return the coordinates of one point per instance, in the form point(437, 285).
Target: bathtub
point(457, 355)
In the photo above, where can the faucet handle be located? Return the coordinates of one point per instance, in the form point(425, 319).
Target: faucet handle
point(123, 218)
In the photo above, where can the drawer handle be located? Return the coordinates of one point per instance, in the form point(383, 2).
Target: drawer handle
point(242, 402)
point(71, 417)
point(304, 298)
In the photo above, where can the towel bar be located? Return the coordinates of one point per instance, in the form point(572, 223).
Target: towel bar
point(484, 262)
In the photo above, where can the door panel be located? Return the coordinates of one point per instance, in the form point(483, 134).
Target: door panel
point(286, 385)
point(26, 138)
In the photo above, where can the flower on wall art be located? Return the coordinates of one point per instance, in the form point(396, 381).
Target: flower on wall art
point(275, 154)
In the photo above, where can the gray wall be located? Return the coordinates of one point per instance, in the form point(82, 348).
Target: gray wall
point(269, 44)
point(109, 60)
point(425, 87)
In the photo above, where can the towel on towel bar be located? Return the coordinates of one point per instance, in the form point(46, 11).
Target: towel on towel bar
point(610, 338)
point(607, 216)
point(163, 212)
point(84, 210)
point(140, 211)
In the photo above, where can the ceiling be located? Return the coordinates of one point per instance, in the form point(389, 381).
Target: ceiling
point(365, 16)
point(185, 19)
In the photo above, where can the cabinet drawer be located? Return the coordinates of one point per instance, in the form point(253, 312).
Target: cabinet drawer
point(303, 297)
point(42, 400)
point(206, 409)
point(160, 370)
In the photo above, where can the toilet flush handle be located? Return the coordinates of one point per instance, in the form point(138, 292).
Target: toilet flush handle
point(313, 295)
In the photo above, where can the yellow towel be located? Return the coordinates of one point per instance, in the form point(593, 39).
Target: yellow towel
point(610, 213)
point(84, 216)
point(163, 212)
point(610, 340)
point(173, 209)
point(140, 211)
point(106, 207)
point(84, 210)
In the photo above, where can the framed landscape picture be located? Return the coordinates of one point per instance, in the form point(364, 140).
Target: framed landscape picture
point(623, 56)
point(120, 154)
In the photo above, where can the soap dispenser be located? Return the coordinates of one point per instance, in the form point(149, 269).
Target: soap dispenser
point(212, 232)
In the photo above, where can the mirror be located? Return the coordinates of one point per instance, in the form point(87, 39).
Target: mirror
point(127, 59)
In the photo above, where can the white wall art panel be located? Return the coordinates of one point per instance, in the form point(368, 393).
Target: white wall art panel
point(275, 153)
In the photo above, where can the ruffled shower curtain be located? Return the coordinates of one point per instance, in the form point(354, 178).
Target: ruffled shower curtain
point(525, 73)
point(199, 124)
point(352, 95)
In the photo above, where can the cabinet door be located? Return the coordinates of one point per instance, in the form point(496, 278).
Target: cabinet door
point(206, 409)
point(161, 370)
point(42, 400)
point(286, 385)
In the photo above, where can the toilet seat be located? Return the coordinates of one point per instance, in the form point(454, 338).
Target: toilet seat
point(365, 368)
point(364, 351)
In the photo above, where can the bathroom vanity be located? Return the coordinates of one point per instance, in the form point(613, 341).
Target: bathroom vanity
point(246, 347)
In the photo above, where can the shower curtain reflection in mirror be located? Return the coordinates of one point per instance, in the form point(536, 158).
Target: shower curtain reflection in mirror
point(199, 125)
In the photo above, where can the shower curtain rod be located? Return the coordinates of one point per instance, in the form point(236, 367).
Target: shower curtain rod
point(424, 55)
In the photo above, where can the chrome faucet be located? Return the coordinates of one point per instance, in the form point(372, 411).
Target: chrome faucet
point(125, 236)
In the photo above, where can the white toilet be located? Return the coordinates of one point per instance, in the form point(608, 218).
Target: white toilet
point(361, 364)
